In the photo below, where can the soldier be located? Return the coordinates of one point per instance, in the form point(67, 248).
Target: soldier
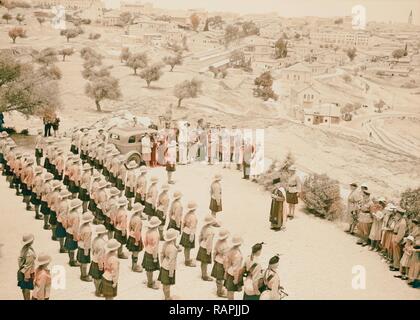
point(100, 156)
point(16, 168)
point(120, 225)
point(37, 185)
point(109, 283)
point(100, 198)
point(45, 191)
point(175, 212)
point(375, 234)
point(134, 242)
point(42, 278)
point(170, 158)
point(93, 188)
point(59, 164)
point(162, 205)
point(10, 152)
point(109, 209)
point(111, 153)
point(130, 183)
point(27, 178)
point(84, 242)
point(253, 273)
point(26, 263)
point(293, 190)
point(68, 162)
point(52, 155)
point(400, 229)
point(39, 147)
point(189, 226)
point(141, 186)
point(3, 143)
point(204, 254)
point(168, 257)
point(233, 266)
point(84, 144)
point(353, 206)
point(277, 216)
point(96, 269)
point(48, 152)
point(218, 272)
point(115, 167)
point(84, 185)
point(91, 154)
point(151, 246)
point(272, 281)
point(62, 211)
point(151, 198)
point(365, 218)
point(75, 139)
point(74, 176)
point(216, 195)
point(413, 265)
point(121, 174)
point(146, 149)
point(72, 227)
point(53, 199)
point(101, 136)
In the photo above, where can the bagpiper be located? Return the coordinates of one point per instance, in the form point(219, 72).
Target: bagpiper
point(204, 254)
point(189, 226)
point(168, 257)
point(218, 272)
point(273, 290)
point(151, 198)
point(233, 266)
point(216, 195)
point(42, 278)
point(109, 283)
point(26, 263)
point(151, 250)
point(135, 242)
point(96, 269)
point(84, 242)
point(162, 206)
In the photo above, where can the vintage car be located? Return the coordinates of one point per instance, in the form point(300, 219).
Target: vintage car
point(127, 139)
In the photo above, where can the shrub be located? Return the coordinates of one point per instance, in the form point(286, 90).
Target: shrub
point(410, 201)
point(321, 196)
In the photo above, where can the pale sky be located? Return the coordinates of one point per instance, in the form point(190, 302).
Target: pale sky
point(379, 10)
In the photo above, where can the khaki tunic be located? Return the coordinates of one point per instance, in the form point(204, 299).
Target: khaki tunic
point(175, 212)
point(84, 239)
point(141, 186)
point(168, 257)
point(233, 263)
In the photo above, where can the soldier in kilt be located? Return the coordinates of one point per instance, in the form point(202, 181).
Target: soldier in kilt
point(109, 208)
point(162, 206)
point(188, 233)
point(115, 167)
point(253, 273)
point(96, 269)
point(218, 272)
point(134, 242)
point(46, 189)
point(130, 183)
point(26, 263)
point(47, 152)
point(141, 186)
point(84, 237)
point(16, 168)
point(110, 152)
point(109, 283)
point(151, 197)
point(98, 161)
point(120, 226)
point(37, 184)
point(93, 144)
point(168, 257)
point(170, 157)
point(292, 191)
point(52, 201)
point(84, 185)
point(68, 162)
point(151, 246)
point(10, 152)
point(216, 195)
point(42, 278)
point(75, 138)
point(84, 145)
point(39, 146)
point(100, 197)
point(74, 176)
point(234, 270)
point(3, 143)
point(51, 156)
point(93, 188)
point(59, 164)
point(27, 178)
point(206, 245)
point(175, 212)
point(62, 211)
point(121, 174)
point(72, 227)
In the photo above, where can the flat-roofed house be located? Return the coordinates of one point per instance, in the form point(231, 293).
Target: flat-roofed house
point(328, 113)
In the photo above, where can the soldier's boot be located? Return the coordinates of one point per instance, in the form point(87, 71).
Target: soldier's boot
point(84, 273)
point(121, 253)
point(221, 292)
point(26, 294)
point(53, 237)
point(188, 260)
point(72, 261)
point(134, 266)
point(150, 282)
point(167, 292)
point(38, 216)
point(97, 283)
point(204, 275)
point(46, 223)
point(62, 249)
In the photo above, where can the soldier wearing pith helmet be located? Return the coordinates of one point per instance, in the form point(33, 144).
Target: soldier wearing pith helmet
point(135, 242)
point(188, 233)
point(109, 283)
point(84, 242)
point(168, 257)
point(96, 269)
point(151, 255)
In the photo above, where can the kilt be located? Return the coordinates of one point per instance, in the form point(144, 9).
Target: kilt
point(119, 237)
point(35, 200)
point(15, 179)
point(47, 164)
point(53, 218)
point(66, 180)
point(119, 184)
point(185, 241)
point(203, 256)
point(53, 170)
point(108, 225)
point(112, 178)
point(132, 247)
point(92, 206)
point(44, 208)
point(139, 199)
point(83, 194)
point(94, 271)
point(73, 149)
point(253, 297)
point(96, 163)
point(291, 197)
point(148, 209)
point(230, 286)
point(105, 172)
point(25, 284)
point(25, 190)
point(83, 155)
point(148, 264)
point(172, 224)
point(218, 271)
point(129, 194)
point(214, 206)
point(72, 187)
point(81, 257)
point(90, 161)
point(70, 244)
point(39, 153)
point(1, 158)
point(161, 216)
point(58, 176)
point(164, 277)
point(60, 232)
point(170, 167)
point(99, 214)
point(107, 290)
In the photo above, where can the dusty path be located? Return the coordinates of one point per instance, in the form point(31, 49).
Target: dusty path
point(316, 262)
